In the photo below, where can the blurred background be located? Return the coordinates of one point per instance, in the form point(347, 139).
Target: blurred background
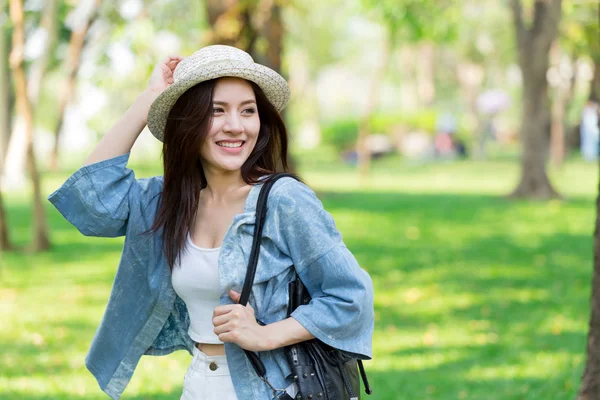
point(454, 142)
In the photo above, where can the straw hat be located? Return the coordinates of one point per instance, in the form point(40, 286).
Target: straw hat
point(214, 62)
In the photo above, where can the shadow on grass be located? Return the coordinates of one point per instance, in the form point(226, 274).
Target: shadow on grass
point(46, 358)
point(523, 268)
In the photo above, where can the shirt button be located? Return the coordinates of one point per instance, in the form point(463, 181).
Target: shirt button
point(213, 366)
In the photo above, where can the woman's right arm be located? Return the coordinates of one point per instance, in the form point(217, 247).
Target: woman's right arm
point(121, 137)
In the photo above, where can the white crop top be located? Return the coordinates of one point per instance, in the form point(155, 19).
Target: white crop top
point(195, 279)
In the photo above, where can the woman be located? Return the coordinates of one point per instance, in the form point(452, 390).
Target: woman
point(188, 235)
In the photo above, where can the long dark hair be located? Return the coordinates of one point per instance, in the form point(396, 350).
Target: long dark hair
point(187, 126)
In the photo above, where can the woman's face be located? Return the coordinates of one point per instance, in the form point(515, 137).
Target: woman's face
point(235, 126)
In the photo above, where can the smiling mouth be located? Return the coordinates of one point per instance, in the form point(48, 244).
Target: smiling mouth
point(231, 145)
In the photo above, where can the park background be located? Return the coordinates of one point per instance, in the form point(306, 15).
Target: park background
point(443, 137)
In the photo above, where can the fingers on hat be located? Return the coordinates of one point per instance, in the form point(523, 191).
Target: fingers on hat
point(172, 58)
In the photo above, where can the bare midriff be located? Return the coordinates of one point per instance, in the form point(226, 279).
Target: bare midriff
point(211, 349)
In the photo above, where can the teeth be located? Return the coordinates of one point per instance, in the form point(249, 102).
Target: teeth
point(225, 144)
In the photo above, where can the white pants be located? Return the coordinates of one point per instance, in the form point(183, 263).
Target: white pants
point(208, 378)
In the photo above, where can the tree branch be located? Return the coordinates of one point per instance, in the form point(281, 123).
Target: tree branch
point(546, 19)
point(523, 35)
point(517, 11)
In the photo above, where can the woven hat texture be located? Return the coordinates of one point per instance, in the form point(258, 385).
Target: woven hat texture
point(213, 62)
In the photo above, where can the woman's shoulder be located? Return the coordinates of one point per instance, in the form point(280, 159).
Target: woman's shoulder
point(291, 196)
point(289, 186)
point(152, 184)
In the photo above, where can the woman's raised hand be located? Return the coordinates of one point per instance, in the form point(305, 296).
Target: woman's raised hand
point(121, 137)
point(162, 75)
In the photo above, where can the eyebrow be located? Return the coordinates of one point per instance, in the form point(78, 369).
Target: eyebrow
point(224, 103)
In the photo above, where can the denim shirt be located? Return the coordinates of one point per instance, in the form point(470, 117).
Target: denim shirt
point(144, 315)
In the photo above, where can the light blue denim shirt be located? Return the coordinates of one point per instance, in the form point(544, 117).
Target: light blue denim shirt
point(145, 316)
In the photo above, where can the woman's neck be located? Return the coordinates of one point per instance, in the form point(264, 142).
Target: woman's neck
point(223, 187)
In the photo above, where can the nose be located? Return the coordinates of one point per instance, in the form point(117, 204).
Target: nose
point(233, 123)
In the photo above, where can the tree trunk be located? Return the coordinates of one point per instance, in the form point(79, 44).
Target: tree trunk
point(561, 88)
point(40, 231)
point(362, 149)
point(425, 73)
point(231, 23)
point(534, 46)
point(590, 382)
point(73, 61)
point(5, 243)
point(5, 130)
point(17, 156)
point(595, 84)
point(557, 132)
point(6, 98)
point(272, 31)
point(39, 67)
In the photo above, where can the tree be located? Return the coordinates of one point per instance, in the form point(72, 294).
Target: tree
point(590, 383)
point(40, 230)
point(6, 99)
point(5, 243)
point(254, 26)
point(16, 158)
point(76, 44)
point(231, 23)
point(5, 129)
point(592, 35)
point(533, 47)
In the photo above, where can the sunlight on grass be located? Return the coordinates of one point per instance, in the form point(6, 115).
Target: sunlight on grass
point(477, 296)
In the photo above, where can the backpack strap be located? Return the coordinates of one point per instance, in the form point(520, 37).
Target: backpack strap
point(261, 213)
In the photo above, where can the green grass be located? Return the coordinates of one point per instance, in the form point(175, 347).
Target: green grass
point(477, 297)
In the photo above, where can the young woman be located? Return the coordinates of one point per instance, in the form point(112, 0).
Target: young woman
point(188, 235)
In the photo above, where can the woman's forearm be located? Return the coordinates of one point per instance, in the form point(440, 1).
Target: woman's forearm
point(121, 137)
point(285, 333)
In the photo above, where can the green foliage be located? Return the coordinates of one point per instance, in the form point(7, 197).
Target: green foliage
point(423, 120)
point(340, 134)
point(580, 30)
point(46, 112)
point(485, 35)
point(417, 20)
point(311, 29)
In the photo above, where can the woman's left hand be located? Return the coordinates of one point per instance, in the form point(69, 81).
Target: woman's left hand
point(237, 324)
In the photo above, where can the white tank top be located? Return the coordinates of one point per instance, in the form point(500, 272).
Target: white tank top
point(195, 279)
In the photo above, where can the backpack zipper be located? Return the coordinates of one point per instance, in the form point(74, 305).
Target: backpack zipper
point(295, 355)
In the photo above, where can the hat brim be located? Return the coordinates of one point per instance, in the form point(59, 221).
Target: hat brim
point(272, 84)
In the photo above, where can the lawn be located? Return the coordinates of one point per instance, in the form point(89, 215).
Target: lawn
point(477, 297)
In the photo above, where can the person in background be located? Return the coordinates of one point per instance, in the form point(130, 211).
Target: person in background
point(590, 135)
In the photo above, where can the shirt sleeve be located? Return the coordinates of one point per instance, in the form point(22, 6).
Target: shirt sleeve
point(96, 199)
point(341, 311)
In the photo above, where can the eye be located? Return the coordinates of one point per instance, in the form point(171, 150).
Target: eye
point(249, 111)
point(217, 110)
